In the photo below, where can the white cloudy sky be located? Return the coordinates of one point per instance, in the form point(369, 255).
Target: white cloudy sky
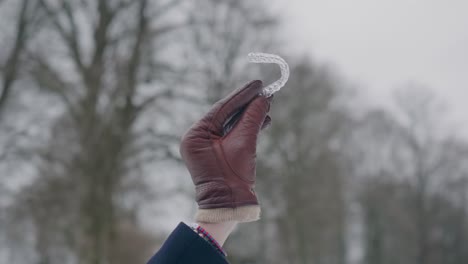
point(382, 44)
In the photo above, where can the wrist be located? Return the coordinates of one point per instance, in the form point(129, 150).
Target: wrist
point(219, 231)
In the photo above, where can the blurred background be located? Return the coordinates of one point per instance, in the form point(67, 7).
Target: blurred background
point(365, 161)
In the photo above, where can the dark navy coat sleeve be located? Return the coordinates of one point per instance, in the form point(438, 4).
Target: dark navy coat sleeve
point(184, 246)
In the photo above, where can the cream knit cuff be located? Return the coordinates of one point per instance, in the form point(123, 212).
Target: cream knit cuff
point(247, 213)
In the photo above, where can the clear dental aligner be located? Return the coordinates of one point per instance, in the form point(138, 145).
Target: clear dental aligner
point(258, 57)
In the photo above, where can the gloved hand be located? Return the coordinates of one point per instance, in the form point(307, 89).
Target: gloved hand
point(221, 163)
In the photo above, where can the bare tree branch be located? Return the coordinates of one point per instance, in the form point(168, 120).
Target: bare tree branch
point(166, 7)
point(122, 5)
point(151, 99)
point(69, 38)
point(48, 78)
point(12, 64)
point(100, 34)
point(135, 57)
point(73, 36)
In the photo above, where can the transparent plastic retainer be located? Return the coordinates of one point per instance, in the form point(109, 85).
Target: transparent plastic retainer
point(267, 91)
point(258, 57)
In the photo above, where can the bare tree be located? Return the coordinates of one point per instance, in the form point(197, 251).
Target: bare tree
point(410, 163)
point(426, 159)
point(221, 36)
point(300, 176)
point(98, 58)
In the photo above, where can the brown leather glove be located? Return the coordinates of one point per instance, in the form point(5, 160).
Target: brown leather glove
point(219, 151)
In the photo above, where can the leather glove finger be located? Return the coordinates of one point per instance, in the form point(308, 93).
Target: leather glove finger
point(252, 121)
point(267, 120)
point(233, 119)
point(239, 146)
point(224, 108)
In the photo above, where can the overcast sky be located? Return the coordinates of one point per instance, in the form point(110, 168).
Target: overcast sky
point(384, 44)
